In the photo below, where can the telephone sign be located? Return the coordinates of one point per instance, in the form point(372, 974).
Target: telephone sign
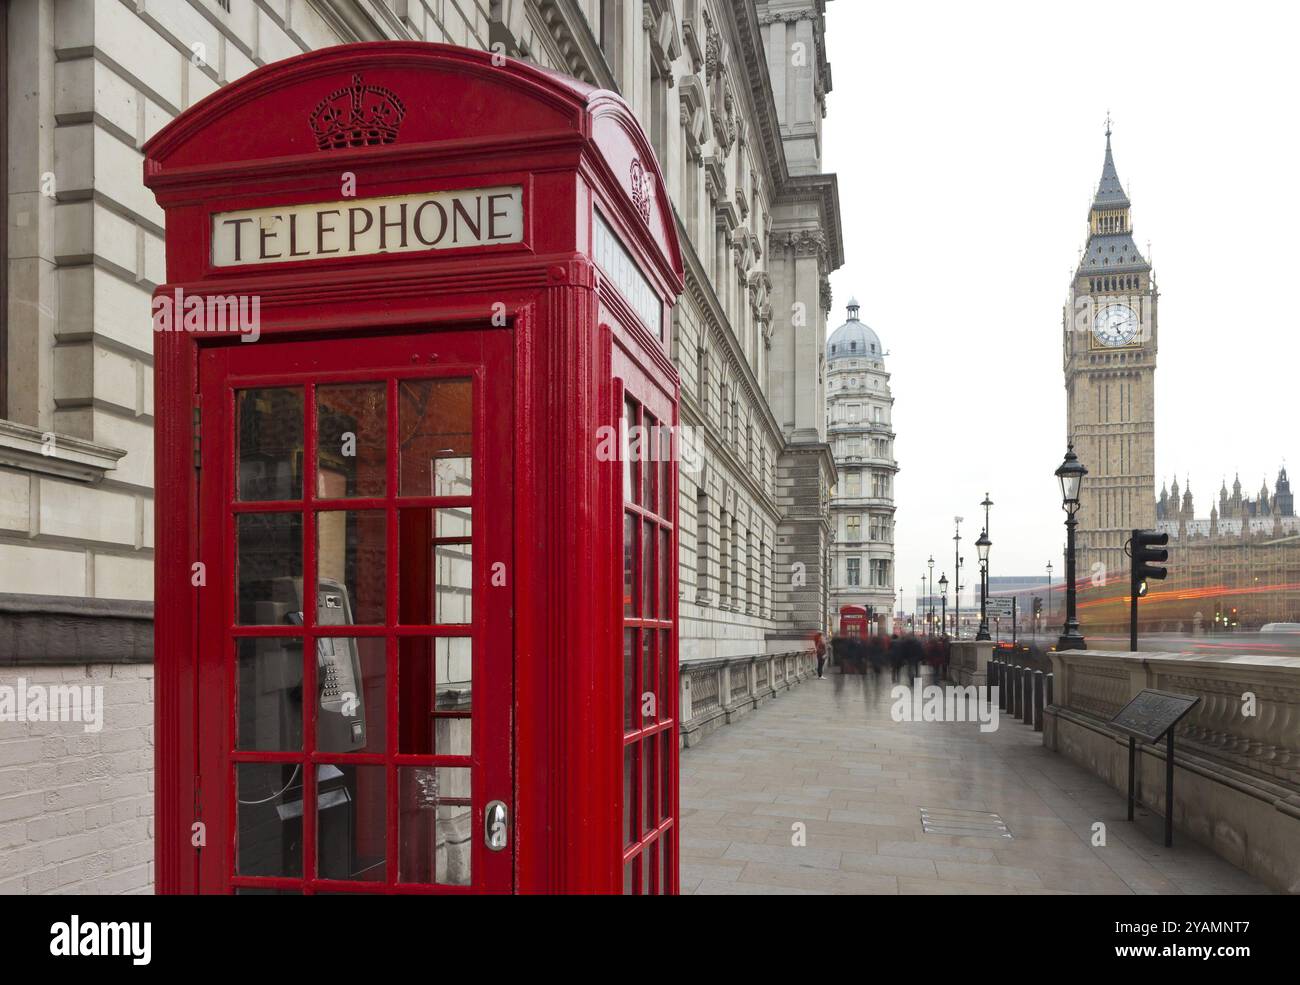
point(398, 224)
point(387, 683)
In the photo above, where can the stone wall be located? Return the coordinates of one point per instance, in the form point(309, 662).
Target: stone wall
point(1236, 755)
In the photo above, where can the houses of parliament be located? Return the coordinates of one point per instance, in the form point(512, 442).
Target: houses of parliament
point(1238, 568)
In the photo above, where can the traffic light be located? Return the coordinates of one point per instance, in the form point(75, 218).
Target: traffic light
point(1148, 547)
point(1038, 606)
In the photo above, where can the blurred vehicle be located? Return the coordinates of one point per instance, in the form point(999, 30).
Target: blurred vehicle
point(1280, 627)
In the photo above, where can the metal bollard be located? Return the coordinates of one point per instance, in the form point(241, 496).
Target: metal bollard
point(1004, 686)
point(1013, 706)
point(1047, 689)
point(991, 680)
point(1038, 700)
point(1027, 686)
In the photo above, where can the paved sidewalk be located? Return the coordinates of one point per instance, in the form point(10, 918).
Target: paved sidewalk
point(827, 755)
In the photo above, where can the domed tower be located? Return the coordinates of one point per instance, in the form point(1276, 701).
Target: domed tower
point(859, 427)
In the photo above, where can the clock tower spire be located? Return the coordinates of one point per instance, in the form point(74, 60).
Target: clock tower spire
point(1109, 348)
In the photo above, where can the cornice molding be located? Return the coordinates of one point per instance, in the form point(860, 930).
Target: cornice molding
point(744, 21)
point(822, 190)
point(352, 21)
point(718, 327)
point(564, 26)
point(62, 455)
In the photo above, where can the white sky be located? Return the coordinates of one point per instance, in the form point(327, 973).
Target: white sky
point(968, 139)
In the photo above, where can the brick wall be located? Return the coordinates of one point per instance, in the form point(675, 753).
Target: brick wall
point(76, 807)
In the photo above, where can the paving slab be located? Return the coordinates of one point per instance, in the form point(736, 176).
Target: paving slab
point(820, 791)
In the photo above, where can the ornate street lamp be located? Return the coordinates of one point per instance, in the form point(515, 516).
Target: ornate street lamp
point(1070, 474)
point(929, 617)
point(943, 596)
point(922, 607)
point(956, 591)
point(982, 545)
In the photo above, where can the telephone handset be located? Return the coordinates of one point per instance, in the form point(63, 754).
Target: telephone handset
point(342, 725)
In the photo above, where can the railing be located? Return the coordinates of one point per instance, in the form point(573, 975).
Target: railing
point(1248, 718)
point(716, 692)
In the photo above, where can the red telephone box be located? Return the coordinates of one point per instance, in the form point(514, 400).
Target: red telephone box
point(855, 620)
point(413, 290)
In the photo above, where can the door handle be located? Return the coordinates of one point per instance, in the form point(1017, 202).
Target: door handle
point(496, 826)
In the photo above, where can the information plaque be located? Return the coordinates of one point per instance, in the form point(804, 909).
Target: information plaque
point(1152, 713)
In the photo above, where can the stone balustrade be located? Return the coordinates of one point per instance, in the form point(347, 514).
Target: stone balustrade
point(1237, 753)
point(714, 693)
point(968, 661)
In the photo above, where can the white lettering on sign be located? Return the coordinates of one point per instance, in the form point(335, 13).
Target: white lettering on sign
point(363, 227)
point(619, 266)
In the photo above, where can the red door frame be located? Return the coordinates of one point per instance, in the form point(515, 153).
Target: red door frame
point(570, 149)
point(485, 356)
point(650, 850)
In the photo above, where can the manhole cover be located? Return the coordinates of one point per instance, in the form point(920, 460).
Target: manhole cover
point(972, 824)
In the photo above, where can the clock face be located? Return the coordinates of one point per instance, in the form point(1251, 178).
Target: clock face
point(1115, 325)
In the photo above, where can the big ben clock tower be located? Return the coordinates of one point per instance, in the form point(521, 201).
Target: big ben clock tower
point(1110, 366)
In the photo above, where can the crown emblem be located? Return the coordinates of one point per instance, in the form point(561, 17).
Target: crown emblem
point(642, 189)
point(357, 116)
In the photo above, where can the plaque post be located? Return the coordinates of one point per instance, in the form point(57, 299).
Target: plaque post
point(1132, 767)
point(1169, 787)
point(1149, 716)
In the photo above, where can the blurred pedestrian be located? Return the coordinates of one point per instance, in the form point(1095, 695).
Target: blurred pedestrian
point(819, 645)
point(884, 644)
point(936, 655)
point(859, 651)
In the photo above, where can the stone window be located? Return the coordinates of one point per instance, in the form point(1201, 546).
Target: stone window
point(853, 571)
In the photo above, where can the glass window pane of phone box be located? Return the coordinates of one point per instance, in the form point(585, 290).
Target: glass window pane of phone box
point(269, 429)
point(435, 437)
point(435, 825)
point(351, 440)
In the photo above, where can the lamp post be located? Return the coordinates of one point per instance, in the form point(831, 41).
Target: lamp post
point(956, 596)
point(943, 597)
point(982, 545)
point(1049, 591)
point(986, 504)
point(923, 607)
point(1070, 473)
point(929, 619)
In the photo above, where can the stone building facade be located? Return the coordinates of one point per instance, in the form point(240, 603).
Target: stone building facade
point(1238, 568)
point(859, 421)
point(733, 94)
